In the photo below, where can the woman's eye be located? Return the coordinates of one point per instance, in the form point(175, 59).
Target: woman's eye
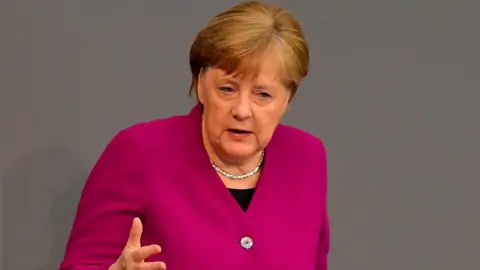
point(226, 89)
point(264, 95)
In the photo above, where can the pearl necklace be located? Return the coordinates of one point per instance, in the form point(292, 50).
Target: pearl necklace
point(239, 176)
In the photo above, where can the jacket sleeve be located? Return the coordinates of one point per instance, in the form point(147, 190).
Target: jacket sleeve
point(323, 245)
point(112, 197)
point(323, 248)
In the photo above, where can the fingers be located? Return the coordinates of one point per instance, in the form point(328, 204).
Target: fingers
point(135, 254)
point(153, 266)
point(142, 253)
point(135, 234)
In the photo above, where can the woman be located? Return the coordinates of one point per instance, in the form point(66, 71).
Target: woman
point(225, 186)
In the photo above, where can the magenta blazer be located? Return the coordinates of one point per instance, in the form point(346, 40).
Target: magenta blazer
point(160, 172)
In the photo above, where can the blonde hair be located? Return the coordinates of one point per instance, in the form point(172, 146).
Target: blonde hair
point(237, 39)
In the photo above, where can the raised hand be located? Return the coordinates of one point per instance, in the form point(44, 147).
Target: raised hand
point(134, 255)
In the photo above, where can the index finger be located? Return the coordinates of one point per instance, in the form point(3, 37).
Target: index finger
point(135, 234)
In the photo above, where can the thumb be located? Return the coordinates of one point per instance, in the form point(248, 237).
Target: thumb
point(135, 234)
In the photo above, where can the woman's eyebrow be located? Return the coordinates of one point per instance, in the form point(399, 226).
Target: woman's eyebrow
point(229, 81)
point(263, 86)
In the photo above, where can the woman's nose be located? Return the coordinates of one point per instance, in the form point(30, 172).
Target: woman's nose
point(242, 109)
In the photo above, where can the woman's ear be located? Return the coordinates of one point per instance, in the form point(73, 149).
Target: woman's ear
point(200, 86)
point(288, 102)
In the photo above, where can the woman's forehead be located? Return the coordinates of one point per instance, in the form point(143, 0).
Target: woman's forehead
point(265, 70)
point(261, 76)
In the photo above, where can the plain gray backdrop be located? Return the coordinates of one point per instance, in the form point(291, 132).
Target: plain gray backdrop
point(393, 92)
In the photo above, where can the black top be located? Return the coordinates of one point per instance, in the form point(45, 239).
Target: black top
point(243, 196)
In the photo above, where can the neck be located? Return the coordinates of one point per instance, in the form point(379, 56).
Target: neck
point(234, 165)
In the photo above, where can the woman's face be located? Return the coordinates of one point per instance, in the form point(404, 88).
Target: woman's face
point(240, 114)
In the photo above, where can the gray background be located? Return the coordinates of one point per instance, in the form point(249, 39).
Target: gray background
point(393, 92)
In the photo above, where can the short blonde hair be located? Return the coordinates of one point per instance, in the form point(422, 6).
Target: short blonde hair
point(236, 39)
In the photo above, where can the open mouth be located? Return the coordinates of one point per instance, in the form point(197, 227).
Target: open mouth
point(238, 131)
